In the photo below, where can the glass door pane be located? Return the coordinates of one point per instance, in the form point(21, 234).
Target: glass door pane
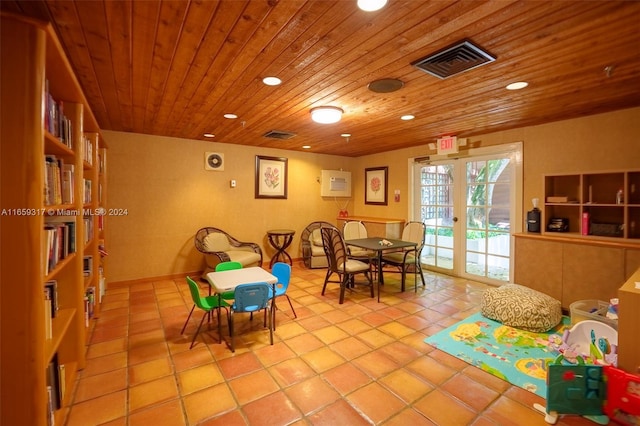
point(488, 218)
point(437, 213)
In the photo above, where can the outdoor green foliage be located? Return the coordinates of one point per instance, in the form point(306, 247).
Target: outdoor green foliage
point(481, 194)
point(471, 235)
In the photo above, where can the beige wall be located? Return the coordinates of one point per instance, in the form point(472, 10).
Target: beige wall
point(168, 195)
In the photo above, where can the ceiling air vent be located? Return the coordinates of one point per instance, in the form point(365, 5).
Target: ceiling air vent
point(453, 60)
point(279, 134)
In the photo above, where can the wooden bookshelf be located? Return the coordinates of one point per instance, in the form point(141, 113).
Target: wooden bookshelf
point(33, 67)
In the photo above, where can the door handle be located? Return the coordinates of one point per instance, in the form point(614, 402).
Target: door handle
point(455, 218)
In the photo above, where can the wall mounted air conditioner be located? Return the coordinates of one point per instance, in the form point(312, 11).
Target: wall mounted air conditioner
point(335, 183)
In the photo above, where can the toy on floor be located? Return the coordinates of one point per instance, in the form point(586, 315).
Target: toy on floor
point(587, 342)
point(575, 389)
point(623, 396)
point(597, 392)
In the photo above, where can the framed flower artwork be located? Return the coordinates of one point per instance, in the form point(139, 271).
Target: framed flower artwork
point(271, 177)
point(375, 191)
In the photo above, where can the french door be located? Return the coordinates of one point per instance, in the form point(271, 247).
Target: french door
point(469, 207)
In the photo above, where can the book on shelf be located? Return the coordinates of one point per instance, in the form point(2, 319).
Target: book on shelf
point(51, 289)
point(88, 150)
point(53, 380)
point(88, 228)
point(102, 281)
point(86, 311)
point(53, 180)
point(62, 379)
point(59, 240)
point(90, 294)
point(560, 199)
point(87, 265)
point(51, 419)
point(102, 163)
point(48, 318)
point(86, 191)
point(68, 175)
point(55, 122)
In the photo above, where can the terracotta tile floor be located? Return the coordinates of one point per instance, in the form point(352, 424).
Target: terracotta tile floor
point(359, 363)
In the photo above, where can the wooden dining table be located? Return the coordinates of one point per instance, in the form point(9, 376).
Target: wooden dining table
point(377, 245)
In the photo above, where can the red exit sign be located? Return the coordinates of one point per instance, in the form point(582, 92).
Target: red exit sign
point(448, 145)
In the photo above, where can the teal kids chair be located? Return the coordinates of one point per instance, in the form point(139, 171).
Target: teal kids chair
point(282, 271)
point(207, 304)
point(250, 298)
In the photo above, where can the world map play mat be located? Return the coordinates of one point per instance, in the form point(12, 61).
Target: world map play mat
point(514, 355)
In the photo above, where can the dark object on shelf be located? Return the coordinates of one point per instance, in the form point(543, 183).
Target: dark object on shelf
point(533, 220)
point(558, 224)
point(607, 229)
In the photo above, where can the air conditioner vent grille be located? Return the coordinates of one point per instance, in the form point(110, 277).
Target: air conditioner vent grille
point(279, 134)
point(453, 60)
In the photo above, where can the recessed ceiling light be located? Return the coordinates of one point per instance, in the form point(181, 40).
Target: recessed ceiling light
point(518, 85)
point(271, 81)
point(231, 116)
point(407, 117)
point(371, 5)
point(209, 135)
point(346, 135)
point(306, 146)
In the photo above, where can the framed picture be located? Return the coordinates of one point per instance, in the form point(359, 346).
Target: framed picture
point(271, 177)
point(375, 180)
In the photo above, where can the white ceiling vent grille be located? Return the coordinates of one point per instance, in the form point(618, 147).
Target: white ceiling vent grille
point(453, 60)
point(279, 134)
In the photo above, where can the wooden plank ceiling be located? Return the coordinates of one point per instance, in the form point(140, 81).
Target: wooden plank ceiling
point(174, 68)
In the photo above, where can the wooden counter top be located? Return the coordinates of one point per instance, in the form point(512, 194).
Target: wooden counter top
point(377, 226)
point(578, 239)
point(371, 219)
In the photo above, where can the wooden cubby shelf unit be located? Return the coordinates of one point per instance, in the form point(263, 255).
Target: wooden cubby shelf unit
point(597, 205)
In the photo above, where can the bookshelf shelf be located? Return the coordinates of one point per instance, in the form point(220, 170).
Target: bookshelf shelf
point(46, 173)
point(60, 325)
point(60, 266)
point(54, 146)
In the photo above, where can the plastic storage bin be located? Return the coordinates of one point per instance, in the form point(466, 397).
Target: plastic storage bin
point(591, 310)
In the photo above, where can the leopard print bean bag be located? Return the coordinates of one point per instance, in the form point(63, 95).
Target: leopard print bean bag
point(521, 307)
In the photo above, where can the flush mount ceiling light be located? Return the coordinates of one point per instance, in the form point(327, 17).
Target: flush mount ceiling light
point(371, 5)
point(230, 116)
point(271, 81)
point(209, 135)
point(518, 85)
point(326, 114)
point(407, 117)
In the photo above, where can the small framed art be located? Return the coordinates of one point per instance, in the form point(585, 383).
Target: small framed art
point(375, 191)
point(271, 177)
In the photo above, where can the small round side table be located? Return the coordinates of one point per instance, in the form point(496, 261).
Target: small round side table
point(280, 239)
